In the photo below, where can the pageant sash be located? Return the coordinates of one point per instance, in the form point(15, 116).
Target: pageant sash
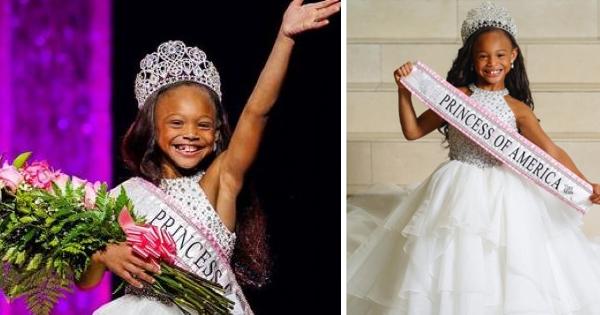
point(197, 246)
point(497, 138)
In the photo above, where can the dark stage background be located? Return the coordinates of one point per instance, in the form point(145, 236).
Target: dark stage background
point(297, 173)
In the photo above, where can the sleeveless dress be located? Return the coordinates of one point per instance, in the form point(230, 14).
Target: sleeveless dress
point(472, 239)
point(193, 201)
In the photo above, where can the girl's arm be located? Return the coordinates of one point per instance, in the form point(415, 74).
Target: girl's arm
point(413, 128)
point(246, 137)
point(531, 129)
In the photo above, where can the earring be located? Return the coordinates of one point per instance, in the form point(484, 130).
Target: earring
point(512, 65)
point(215, 146)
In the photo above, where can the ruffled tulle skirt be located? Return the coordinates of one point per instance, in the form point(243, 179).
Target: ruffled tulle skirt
point(469, 241)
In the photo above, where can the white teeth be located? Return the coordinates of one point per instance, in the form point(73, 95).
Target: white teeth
point(186, 148)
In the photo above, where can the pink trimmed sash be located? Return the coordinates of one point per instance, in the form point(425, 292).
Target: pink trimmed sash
point(197, 246)
point(498, 139)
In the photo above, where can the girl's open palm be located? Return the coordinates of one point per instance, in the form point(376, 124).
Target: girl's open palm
point(299, 18)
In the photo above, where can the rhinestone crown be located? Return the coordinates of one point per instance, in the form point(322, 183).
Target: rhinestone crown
point(488, 14)
point(174, 62)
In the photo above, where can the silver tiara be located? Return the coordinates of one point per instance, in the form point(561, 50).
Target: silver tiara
point(174, 62)
point(488, 14)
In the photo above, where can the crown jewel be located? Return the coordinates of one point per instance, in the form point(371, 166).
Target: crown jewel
point(174, 62)
point(488, 14)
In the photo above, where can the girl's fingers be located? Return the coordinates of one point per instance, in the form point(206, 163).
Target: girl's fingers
point(397, 76)
point(595, 197)
point(125, 275)
point(320, 23)
point(142, 264)
point(145, 277)
point(327, 12)
point(321, 4)
point(138, 273)
point(400, 72)
point(403, 71)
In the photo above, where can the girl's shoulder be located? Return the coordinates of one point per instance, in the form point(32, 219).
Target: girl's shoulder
point(520, 109)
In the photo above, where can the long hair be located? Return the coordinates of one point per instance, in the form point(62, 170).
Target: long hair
point(142, 156)
point(462, 72)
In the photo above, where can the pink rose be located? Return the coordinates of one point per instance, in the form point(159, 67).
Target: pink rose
point(90, 189)
point(77, 182)
point(39, 175)
point(10, 177)
point(61, 180)
point(90, 194)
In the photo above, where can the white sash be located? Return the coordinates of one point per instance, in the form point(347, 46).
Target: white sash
point(497, 138)
point(197, 245)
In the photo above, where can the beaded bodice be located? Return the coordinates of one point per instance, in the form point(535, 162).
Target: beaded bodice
point(461, 147)
point(195, 204)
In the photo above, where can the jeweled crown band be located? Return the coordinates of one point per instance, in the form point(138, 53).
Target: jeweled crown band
point(488, 14)
point(174, 62)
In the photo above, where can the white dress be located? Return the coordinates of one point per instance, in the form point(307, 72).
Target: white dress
point(188, 193)
point(472, 239)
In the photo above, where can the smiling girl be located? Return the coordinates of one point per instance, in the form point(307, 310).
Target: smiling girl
point(191, 168)
point(474, 238)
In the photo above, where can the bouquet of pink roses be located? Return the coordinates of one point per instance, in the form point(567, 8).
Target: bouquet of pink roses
point(52, 223)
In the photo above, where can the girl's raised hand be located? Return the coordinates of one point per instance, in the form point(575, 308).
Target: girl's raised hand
point(595, 197)
point(299, 18)
point(120, 259)
point(401, 72)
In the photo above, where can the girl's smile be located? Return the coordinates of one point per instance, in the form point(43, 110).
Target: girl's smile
point(186, 149)
point(493, 73)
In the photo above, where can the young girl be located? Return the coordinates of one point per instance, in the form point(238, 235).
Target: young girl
point(191, 168)
point(475, 238)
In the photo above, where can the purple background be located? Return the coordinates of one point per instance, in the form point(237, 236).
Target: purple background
point(55, 100)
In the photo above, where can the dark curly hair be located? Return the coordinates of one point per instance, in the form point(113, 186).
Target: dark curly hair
point(142, 156)
point(462, 74)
